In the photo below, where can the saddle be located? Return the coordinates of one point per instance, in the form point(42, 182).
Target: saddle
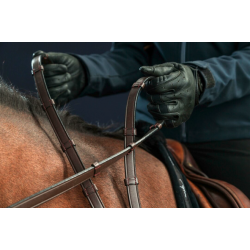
point(192, 187)
point(210, 193)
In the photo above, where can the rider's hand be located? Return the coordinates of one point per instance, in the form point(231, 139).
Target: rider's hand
point(65, 76)
point(173, 92)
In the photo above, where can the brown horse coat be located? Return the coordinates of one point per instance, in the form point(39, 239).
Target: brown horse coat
point(31, 159)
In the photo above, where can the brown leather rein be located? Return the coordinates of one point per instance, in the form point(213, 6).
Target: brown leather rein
point(82, 176)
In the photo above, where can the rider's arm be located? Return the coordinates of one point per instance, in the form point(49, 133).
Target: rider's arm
point(114, 71)
point(231, 75)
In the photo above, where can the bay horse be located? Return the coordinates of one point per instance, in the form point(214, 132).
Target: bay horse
point(31, 158)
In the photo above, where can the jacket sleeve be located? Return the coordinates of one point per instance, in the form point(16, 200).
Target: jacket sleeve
point(230, 73)
point(114, 71)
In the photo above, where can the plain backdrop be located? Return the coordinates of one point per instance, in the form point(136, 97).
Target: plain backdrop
point(15, 68)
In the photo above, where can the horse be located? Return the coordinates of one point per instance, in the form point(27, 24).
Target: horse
point(31, 158)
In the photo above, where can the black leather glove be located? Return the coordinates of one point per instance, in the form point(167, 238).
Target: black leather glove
point(173, 92)
point(65, 76)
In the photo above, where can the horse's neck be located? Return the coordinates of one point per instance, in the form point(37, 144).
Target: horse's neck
point(25, 133)
point(31, 158)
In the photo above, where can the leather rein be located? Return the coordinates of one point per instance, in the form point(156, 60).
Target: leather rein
point(82, 176)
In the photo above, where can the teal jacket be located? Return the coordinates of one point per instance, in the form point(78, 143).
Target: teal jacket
point(224, 110)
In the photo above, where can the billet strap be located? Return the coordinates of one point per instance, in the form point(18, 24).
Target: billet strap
point(72, 181)
point(67, 145)
point(131, 180)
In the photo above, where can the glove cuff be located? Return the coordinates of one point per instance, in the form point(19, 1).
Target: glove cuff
point(205, 74)
point(206, 77)
point(204, 80)
point(200, 86)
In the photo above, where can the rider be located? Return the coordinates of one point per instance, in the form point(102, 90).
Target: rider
point(209, 80)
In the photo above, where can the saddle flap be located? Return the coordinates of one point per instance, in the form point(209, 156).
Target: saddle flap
point(209, 192)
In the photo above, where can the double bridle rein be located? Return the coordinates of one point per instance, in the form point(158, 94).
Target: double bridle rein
point(82, 176)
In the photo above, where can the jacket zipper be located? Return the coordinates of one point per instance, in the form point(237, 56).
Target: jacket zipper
point(183, 125)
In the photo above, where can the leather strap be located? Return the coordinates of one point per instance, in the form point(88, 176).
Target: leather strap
point(131, 181)
point(72, 181)
point(83, 175)
point(67, 145)
point(68, 183)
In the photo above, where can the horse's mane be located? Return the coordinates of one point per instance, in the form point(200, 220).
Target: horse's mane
point(13, 98)
point(26, 102)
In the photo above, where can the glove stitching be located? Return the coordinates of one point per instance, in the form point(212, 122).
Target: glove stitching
point(159, 84)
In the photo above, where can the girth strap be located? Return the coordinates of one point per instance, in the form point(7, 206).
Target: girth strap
point(67, 145)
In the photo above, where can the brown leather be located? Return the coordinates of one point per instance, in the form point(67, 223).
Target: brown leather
point(129, 132)
point(67, 184)
point(84, 176)
point(201, 198)
point(129, 160)
point(209, 192)
point(177, 150)
point(67, 144)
